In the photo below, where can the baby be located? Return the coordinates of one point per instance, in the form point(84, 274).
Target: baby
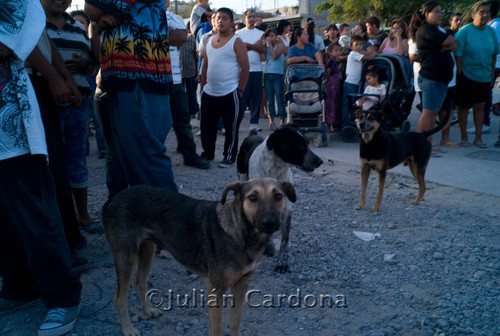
point(373, 87)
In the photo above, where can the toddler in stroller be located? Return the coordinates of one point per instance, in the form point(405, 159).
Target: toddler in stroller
point(395, 73)
point(374, 93)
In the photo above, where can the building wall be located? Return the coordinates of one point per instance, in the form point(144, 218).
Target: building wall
point(307, 8)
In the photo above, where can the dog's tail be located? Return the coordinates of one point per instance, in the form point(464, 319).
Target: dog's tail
point(442, 124)
point(253, 132)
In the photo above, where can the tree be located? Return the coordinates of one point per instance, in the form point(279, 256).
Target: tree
point(386, 10)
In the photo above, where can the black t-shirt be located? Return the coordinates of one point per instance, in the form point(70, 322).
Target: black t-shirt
point(435, 63)
point(377, 39)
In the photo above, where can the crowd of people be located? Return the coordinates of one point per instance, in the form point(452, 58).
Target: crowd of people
point(441, 79)
point(134, 68)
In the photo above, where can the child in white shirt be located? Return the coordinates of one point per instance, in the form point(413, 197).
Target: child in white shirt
point(344, 39)
point(373, 87)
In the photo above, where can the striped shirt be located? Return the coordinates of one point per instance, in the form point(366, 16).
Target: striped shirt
point(188, 58)
point(72, 39)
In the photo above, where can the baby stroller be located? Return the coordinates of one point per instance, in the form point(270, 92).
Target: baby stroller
point(396, 72)
point(305, 95)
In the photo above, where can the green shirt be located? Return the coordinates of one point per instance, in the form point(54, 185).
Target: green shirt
point(477, 48)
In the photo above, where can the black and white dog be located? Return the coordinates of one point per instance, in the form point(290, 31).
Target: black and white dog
point(274, 157)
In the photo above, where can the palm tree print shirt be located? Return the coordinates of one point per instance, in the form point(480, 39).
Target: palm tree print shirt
point(137, 50)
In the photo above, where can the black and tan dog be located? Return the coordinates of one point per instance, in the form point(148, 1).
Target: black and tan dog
point(222, 241)
point(380, 150)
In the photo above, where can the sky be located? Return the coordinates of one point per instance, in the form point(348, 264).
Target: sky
point(236, 5)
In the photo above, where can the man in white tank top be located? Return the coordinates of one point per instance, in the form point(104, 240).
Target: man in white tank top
point(224, 75)
point(255, 46)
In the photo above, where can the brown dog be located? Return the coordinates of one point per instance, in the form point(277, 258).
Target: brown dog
point(380, 150)
point(222, 241)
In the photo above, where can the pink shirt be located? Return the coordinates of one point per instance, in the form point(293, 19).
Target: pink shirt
point(388, 49)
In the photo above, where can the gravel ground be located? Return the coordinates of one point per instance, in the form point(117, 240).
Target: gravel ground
point(431, 269)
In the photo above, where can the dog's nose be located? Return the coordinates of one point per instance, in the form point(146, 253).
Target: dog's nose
point(270, 225)
point(318, 162)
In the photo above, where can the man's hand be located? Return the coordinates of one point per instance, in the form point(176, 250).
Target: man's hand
point(106, 21)
point(60, 91)
point(77, 64)
point(76, 97)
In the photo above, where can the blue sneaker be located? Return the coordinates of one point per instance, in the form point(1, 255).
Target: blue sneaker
point(226, 163)
point(59, 321)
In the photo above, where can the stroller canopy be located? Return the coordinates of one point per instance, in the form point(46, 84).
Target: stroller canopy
point(299, 72)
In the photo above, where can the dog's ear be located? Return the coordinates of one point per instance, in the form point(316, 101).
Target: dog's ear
point(234, 186)
point(289, 191)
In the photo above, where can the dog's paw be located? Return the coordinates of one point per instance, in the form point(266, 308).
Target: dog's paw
point(376, 209)
point(151, 312)
point(414, 202)
point(359, 206)
point(130, 331)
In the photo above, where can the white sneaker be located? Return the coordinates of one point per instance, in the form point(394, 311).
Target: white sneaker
point(485, 130)
point(255, 127)
point(59, 321)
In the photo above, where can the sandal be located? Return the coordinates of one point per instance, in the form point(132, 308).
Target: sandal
point(464, 143)
point(480, 144)
point(450, 144)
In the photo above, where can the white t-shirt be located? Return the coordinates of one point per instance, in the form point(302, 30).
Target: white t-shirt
point(285, 40)
point(412, 50)
point(251, 36)
point(21, 130)
point(354, 67)
point(345, 41)
point(175, 24)
point(319, 43)
point(223, 72)
point(381, 91)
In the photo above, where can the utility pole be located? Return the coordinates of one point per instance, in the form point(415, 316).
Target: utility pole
point(176, 7)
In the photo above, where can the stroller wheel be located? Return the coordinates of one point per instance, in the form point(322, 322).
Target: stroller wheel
point(405, 126)
point(349, 134)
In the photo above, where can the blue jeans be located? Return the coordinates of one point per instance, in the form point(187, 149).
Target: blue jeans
point(116, 178)
point(252, 96)
point(141, 122)
point(346, 102)
point(36, 259)
point(75, 131)
point(274, 89)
